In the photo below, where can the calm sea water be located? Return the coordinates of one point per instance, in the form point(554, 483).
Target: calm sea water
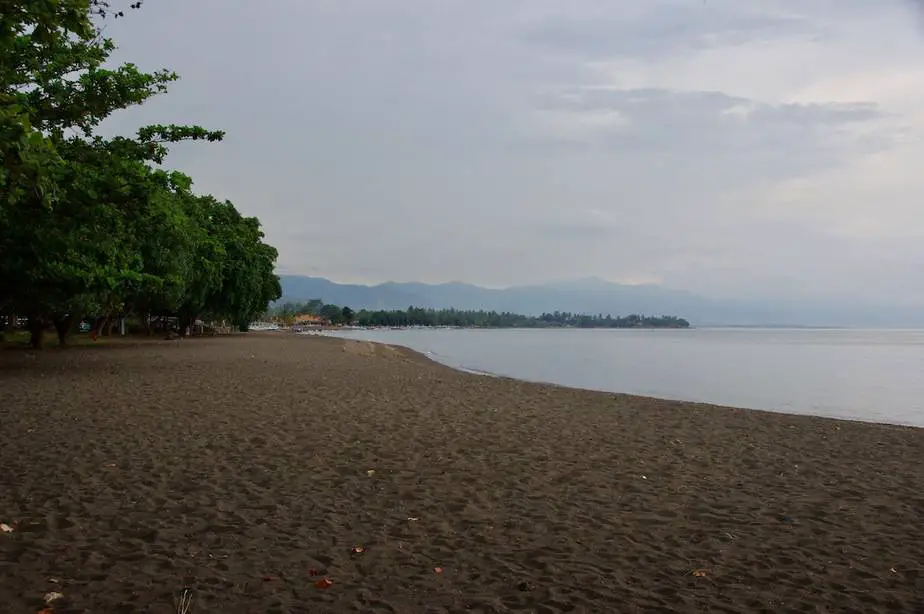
point(871, 375)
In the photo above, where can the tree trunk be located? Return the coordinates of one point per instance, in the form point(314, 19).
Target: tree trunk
point(97, 329)
point(63, 325)
point(36, 331)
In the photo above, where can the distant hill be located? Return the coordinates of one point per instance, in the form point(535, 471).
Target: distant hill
point(585, 296)
point(383, 296)
point(596, 296)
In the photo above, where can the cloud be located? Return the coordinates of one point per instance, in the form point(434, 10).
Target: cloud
point(764, 147)
point(578, 125)
point(703, 121)
point(662, 29)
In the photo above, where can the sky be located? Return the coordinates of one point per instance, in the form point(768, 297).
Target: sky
point(762, 148)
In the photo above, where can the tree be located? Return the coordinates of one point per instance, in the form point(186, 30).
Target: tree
point(313, 307)
point(90, 225)
point(346, 315)
point(332, 313)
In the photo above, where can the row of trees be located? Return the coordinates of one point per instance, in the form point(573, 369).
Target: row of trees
point(92, 225)
point(334, 314)
point(580, 320)
point(416, 316)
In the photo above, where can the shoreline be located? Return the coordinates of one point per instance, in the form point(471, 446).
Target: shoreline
point(252, 467)
point(425, 356)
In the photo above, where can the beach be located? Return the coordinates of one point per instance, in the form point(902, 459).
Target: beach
point(276, 473)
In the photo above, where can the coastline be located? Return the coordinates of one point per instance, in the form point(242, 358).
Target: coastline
point(334, 334)
point(251, 466)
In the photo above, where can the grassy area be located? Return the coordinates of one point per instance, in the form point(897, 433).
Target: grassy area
point(20, 338)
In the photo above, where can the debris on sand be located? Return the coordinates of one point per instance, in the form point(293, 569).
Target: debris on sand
point(52, 597)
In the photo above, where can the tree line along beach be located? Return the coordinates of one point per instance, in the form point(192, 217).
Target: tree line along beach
point(319, 313)
point(278, 473)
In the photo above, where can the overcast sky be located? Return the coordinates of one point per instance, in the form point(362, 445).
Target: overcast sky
point(719, 146)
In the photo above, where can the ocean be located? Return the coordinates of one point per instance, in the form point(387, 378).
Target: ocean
point(868, 375)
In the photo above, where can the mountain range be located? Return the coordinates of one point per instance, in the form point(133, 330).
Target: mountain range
point(597, 296)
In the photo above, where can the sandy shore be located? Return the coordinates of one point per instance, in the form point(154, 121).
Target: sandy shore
point(250, 467)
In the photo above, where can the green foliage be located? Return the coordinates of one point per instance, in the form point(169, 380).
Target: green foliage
point(416, 316)
point(332, 313)
point(89, 225)
point(606, 321)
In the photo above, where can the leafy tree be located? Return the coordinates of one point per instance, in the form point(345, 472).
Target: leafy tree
point(312, 307)
point(88, 225)
point(332, 313)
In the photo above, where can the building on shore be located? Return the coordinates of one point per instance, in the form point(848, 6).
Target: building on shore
point(308, 321)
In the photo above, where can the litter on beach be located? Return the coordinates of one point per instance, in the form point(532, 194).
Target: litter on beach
point(53, 596)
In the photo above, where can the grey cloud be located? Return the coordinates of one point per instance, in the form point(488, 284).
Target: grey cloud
point(693, 28)
point(708, 109)
point(662, 27)
point(572, 230)
point(706, 129)
point(392, 140)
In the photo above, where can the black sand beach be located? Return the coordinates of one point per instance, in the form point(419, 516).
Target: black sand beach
point(279, 474)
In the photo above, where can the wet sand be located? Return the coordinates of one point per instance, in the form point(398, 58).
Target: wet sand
point(250, 467)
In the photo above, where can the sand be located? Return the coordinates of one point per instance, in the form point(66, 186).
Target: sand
point(250, 467)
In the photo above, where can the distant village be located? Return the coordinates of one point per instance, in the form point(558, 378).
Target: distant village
point(309, 321)
point(316, 315)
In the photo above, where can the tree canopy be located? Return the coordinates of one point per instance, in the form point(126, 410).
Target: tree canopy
point(416, 316)
point(93, 225)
